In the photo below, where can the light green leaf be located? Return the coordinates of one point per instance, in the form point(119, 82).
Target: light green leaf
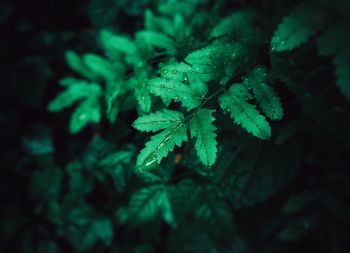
point(100, 66)
point(155, 40)
point(87, 112)
point(265, 95)
point(243, 113)
point(295, 29)
point(203, 130)
point(77, 90)
point(160, 145)
point(159, 120)
point(115, 44)
point(75, 62)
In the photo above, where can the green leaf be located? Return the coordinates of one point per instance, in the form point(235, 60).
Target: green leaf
point(115, 44)
point(295, 29)
point(265, 95)
point(87, 112)
point(155, 40)
point(77, 90)
point(179, 82)
point(160, 145)
point(237, 24)
point(138, 84)
point(219, 60)
point(99, 229)
point(243, 113)
point(78, 65)
point(146, 204)
point(203, 130)
point(100, 66)
point(159, 120)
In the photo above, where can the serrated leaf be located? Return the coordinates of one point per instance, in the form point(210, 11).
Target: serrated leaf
point(219, 60)
point(295, 29)
point(159, 120)
point(179, 82)
point(87, 112)
point(77, 90)
point(160, 145)
point(265, 95)
point(243, 113)
point(146, 204)
point(78, 65)
point(202, 128)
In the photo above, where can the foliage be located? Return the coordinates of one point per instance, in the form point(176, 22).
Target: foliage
point(194, 126)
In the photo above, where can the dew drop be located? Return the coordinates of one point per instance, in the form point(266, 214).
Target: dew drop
point(176, 98)
point(165, 72)
point(162, 86)
point(174, 71)
point(193, 72)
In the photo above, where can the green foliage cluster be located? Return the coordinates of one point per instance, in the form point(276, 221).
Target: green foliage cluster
point(195, 127)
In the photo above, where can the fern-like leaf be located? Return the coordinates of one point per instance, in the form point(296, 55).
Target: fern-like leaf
point(157, 121)
point(179, 82)
point(202, 128)
point(245, 114)
point(76, 63)
point(295, 29)
point(264, 93)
